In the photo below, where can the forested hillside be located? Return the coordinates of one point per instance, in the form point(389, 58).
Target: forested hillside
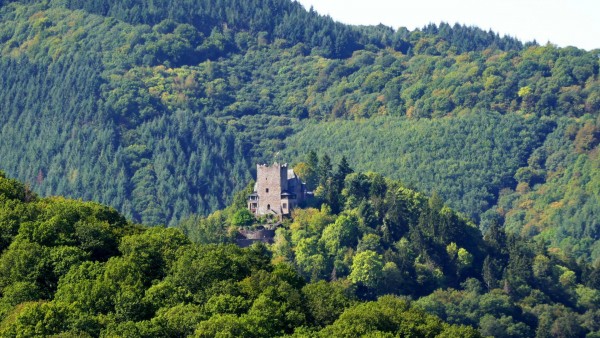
point(79, 269)
point(377, 259)
point(384, 238)
point(161, 109)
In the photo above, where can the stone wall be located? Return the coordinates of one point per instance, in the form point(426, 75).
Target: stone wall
point(270, 181)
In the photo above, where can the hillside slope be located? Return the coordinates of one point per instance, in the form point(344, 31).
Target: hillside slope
point(72, 268)
point(161, 108)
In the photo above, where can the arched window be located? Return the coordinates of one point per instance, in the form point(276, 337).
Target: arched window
point(267, 189)
point(268, 207)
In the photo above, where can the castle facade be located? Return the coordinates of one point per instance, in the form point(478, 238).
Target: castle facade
point(278, 190)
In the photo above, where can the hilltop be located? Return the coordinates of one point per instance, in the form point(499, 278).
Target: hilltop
point(388, 261)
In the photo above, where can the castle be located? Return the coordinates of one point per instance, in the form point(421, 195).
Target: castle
point(277, 191)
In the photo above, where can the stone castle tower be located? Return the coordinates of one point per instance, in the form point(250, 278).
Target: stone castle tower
point(277, 191)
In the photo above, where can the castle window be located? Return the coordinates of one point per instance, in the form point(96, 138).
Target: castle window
point(267, 189)
point(285, 205)
point(268, 207)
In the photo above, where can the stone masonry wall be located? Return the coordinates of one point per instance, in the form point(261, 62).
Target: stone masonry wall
point(270, 182)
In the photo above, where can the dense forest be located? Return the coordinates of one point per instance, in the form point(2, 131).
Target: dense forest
point(386, 239)
point(161, 109)
point(376, 259)
point(78, 269)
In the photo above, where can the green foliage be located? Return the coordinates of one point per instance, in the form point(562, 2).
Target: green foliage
point(206, 230)
point(155, 282)
point(460, 161)
point(399, 239)
point(53, 236)
point(162, 108)
point(560, 208)
point(242, 217)
point(175, 101)
point(390, 315)
point(154, 251)
point(11, 189)
point(326, 301)
point(367, 268)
